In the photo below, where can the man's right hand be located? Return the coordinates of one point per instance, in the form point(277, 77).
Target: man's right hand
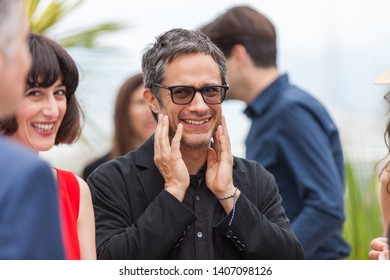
point(168, 158)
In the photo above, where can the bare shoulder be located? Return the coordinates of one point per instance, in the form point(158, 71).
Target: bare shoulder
point(84, 189)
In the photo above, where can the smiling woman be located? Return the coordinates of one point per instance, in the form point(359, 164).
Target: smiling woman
point(50, 94)
point(40, 117)
point(49, 114)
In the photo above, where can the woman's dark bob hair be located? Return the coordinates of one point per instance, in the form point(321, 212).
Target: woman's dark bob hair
point(51, 62)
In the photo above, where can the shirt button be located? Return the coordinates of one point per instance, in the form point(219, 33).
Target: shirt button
point(199, 234)
point(197, 197)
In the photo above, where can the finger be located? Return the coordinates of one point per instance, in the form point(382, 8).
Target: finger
point(157, 135)
point(164, 138)
point(383, 256)
point(225, 149)
point(225, 139)
point(217, 141)
point(373, 255)
point(177, 138)
point(211, 158)
point(379, 243)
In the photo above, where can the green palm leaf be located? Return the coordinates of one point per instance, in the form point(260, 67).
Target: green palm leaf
point(44, 18)
point(31, 6)
point(87, 38)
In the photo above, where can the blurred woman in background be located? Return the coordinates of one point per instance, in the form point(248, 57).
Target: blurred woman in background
point(49, 115)
point(380, 245)
point(133, 122)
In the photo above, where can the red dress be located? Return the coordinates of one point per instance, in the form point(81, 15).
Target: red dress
point(69, 208)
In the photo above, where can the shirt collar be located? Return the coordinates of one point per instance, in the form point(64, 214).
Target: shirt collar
point(265, 98)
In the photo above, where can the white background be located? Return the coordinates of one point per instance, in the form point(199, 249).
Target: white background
point(281, 270)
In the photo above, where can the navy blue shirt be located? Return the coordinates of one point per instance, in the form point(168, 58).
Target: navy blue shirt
point(293, 137)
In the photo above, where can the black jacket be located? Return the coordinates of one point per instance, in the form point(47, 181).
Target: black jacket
point(95, 164)
point(137, 219)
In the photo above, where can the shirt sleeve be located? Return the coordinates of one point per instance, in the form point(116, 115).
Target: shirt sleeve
point(260, 228)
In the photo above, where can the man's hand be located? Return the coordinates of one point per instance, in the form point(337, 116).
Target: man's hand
point(379, 249)
point(219, 173)
point(168, 159)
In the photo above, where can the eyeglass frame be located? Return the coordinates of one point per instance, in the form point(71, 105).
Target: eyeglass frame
point(200, 90)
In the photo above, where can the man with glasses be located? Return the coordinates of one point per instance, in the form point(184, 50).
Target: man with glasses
point(182, 194)
point(291, 135)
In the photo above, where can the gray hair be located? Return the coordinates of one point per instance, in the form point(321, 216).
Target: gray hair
point(171, 44)
point(10, 22)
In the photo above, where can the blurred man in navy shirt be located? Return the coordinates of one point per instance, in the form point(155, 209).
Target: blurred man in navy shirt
point(292, 135)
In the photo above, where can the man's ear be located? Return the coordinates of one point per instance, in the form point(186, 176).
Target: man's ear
point(152, 101)
point(240, 55)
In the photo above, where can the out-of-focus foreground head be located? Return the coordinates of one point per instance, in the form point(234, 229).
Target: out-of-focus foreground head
point(15, 59)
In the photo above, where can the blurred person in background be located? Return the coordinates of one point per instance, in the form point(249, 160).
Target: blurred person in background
point(49, 115)
point(380, 245)
point(29, 211)
point(133, 122)
point(291, 135)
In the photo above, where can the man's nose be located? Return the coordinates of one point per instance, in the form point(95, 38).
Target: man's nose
point(198, 103)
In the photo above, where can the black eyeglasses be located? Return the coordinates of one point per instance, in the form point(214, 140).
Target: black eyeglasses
point(183, 95)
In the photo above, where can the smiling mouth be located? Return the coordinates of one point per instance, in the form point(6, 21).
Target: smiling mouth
point(44, 127)
point(191, 122)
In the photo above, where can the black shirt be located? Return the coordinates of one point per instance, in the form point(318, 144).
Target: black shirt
point(198, 240)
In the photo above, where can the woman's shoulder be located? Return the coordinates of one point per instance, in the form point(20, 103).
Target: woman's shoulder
point(76, 187)
point(85, 193)
point(82, 184)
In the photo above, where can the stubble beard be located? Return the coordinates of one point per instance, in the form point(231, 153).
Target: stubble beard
point(195, 141)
